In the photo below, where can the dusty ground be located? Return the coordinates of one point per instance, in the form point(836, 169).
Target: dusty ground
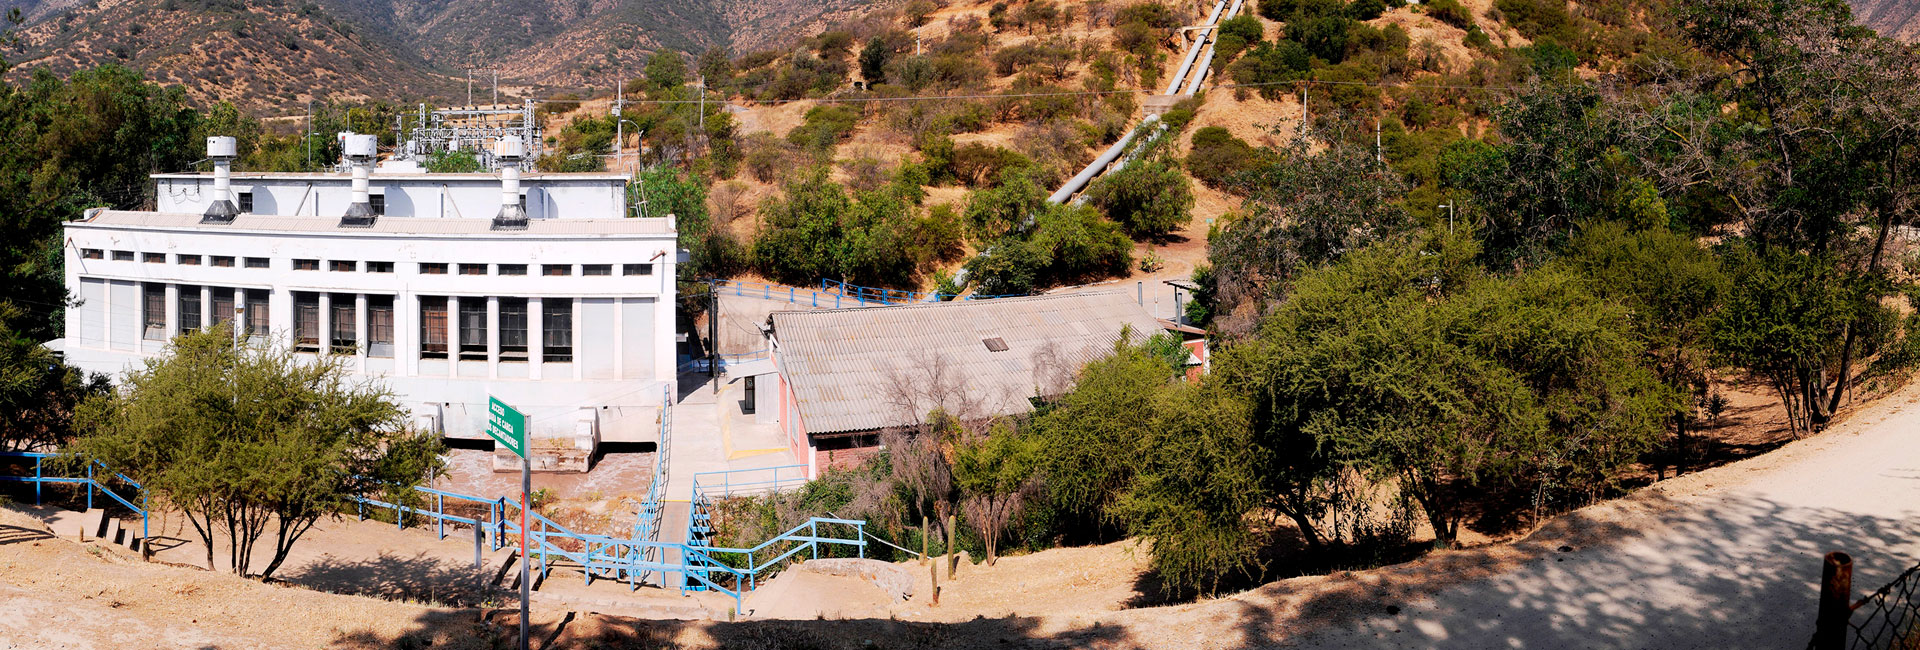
point(1725, 557)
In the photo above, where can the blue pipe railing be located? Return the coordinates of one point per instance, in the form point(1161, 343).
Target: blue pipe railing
point(880, 296)
point(93, 484)
point(749, 481)
point(40, 478)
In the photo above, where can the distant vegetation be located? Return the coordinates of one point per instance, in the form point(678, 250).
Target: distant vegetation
point(1524, 300)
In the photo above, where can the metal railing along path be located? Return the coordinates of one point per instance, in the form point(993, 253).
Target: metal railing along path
point(91, 481)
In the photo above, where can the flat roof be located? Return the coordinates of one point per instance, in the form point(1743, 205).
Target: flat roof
point(261, 223)
point(848, 367)
point(380, 175)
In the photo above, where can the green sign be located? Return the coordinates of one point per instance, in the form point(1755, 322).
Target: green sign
point(507, 426)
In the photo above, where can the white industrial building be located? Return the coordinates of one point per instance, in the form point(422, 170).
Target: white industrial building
point(448, 287)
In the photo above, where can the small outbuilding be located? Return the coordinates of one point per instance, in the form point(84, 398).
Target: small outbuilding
point(845, 375)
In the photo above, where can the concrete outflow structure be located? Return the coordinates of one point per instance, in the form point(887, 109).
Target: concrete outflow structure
point(446, 287)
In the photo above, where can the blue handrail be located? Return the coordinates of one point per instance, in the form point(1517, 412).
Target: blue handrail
point(778, 477)
point(40, 478)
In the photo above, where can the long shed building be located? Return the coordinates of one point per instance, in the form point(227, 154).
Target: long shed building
point(845, 375)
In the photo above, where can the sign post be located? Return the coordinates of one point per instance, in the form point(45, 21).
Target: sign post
point(509, 427)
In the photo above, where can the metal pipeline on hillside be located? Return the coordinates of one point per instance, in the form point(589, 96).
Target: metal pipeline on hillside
point(1206, 61)
point(1204, 42)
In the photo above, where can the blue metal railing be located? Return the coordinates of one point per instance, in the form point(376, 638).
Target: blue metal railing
point(40, 478)
point(865, 296)
point(749, 481)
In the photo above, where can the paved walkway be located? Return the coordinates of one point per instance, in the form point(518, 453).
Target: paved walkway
point(1733, 564)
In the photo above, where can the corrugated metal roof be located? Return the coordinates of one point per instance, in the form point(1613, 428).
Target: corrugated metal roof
point(385, 225)
point(845, 365)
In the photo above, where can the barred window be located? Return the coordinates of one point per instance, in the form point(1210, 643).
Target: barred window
point(257, 263)
point(306, 321)
point(306, 265)
point(223, 260)
point(379, 267)
point(222, 305)
point(556, 269)
point(343, 265)
point(473, 329)
point(513, 269)
point(123, 256)
point(556, 329)
point(344, 323)
point(155, 258)
point(92, 253)
point(636, 269)
point(513, 329)
point(433, 327)
point(189, 260)
point(189, 308)
point(596, 269)
point(258, 316)
point(380, 326)
point(154, 311)
point(433, 268)
point(246, 202)
point(473, 269)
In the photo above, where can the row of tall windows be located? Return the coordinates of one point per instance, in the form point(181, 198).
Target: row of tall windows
point(470, 329)
point(189, 308)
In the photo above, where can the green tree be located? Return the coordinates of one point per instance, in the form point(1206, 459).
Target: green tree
point(1783, 319)
point(1304, 208)
point(457, 161)
point(996, 473)
point(666, 70)
point(38, 390)
point(1149, 198)
point(873, 60)
point(66, 145)
point(1092, 437)
point(243, 440)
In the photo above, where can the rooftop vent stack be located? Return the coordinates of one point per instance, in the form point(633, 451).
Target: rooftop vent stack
point(220, 149)
point(360, 151)
point(509, 151)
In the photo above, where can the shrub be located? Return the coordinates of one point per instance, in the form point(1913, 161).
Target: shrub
point(979, 164)
point(1149, 198)
point(1451, 13)
point(824, 127)
point(452, 162)
point(1218, 157)
point(1271, 63)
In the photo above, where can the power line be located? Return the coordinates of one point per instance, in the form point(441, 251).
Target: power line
point(1069, 93)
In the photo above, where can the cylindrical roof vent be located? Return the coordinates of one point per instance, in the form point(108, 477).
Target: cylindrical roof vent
point(509, 151)
point(222, 150)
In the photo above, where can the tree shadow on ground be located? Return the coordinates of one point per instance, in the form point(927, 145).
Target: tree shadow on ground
point(418, 577)
point(10, 534)
point(1642, 572)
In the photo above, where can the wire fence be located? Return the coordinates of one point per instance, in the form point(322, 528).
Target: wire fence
point(1887, 619)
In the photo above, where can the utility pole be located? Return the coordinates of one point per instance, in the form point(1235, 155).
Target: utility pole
point(469, 87)
point(1377, 158)
point(713, 335)
point(703, 107)
point(619, 125)
point(309, 137)
point(496, 88)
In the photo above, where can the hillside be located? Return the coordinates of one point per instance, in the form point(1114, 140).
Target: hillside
point(262, 53)
point(1892, 18)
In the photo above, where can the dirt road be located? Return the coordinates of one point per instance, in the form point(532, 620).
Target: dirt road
point(1730, 558)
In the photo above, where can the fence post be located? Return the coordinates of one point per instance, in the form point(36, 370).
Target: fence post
point(440, 514)
point(478, 532)
point(89, 487)
point(1836, 602)
point(36, 479)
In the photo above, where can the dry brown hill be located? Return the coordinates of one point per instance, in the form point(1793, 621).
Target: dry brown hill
point(1892, 18)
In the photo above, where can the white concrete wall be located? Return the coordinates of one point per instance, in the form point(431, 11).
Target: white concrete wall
point(623, 344)
point(470, 196)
